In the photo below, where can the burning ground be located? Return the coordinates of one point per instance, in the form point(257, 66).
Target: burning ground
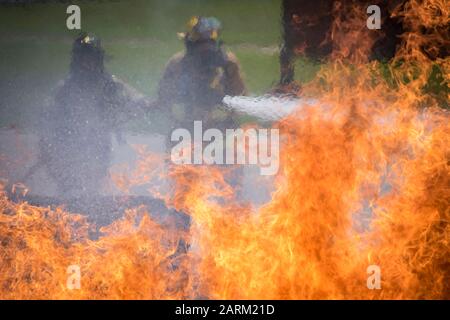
point(364, 180)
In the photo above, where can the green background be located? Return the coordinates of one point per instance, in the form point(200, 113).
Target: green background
point(138, 36)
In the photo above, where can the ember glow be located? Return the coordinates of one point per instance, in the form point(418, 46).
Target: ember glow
point(364, 180)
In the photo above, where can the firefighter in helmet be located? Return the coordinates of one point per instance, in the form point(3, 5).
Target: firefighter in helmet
point(86, 111)
point(198, 78)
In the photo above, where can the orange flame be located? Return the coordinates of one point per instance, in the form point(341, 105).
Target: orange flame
point(364, 180)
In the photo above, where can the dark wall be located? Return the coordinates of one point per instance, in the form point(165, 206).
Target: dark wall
point(307, 30)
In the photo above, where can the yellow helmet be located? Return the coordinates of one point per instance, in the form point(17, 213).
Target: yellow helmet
point(202, 28)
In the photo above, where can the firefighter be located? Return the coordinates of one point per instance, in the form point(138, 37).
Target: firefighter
point(196, 80)
point(88, 109)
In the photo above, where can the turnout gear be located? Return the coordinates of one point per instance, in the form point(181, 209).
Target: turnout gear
point(78, 125)
point(199, 78)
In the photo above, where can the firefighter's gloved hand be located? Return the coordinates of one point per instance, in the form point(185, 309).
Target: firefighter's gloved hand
point(221, 58)
point(214, 57)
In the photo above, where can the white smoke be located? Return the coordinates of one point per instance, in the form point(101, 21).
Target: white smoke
point(268, 108)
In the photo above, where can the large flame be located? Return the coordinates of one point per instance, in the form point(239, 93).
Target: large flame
point(135, 259)
point(364, 180)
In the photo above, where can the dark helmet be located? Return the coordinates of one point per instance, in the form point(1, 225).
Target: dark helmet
point(202, 29)
point(87, 53)
point(202, 42)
